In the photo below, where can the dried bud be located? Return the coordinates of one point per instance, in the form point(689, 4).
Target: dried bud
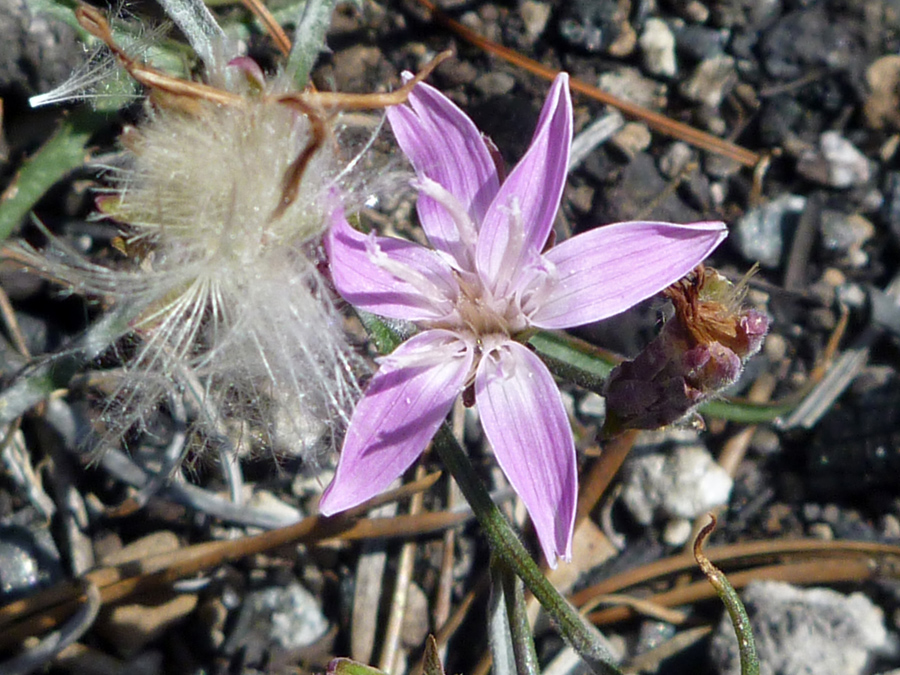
point(698, 353)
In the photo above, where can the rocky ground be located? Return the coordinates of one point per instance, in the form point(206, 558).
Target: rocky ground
point(806, 493)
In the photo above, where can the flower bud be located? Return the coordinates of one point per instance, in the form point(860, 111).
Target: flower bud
point(699, 352)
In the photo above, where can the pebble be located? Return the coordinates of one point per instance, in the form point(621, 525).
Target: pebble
point(495, 83)
point(28, 560)
point(658, 48)
point(629, 84)
point(593, 405)
point(799, 631)
point(456, 72)
point(698, 43)
point(764, 441)
point(681, 484)
point(535, 16)
point(291, 614)
point(676, 532)
point(38, 52)
point(415, 618)
point(775, 347)
point(597, 26)
point(836, 162)
point(759, 234)
point(674, 160)
point(632, 138)
point(710, 81)
point(806, 39)
point(882, 105)
point(719, 166)
point(846, 235)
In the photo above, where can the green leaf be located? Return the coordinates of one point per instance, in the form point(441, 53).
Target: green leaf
point(65, 151)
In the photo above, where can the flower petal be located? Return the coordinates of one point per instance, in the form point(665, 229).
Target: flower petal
point(402, 408)
point(444, 145)
point(607, 270)
point(524, 419)
point(529, 197)
point(387, 276)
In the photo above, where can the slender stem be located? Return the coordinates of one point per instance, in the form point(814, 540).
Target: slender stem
point(739, 619)
point(580, 635)
point(520, 629)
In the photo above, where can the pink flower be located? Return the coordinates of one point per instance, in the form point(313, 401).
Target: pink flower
point(484, 284)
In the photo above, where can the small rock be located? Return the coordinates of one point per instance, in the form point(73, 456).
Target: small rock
point(658, 48)
point(759, 234)
point(692, 10)
point(710, 81)
point(821, 531)
point(292, 614)
point(846, 235)
point(415, 618)
point(456, 72)
point(775, 347)
point(677, 532)
point(882, 106)
point(652, 634)
point(698, 43)
point(683, 484)
point(719, 166)
point(807, 39)
point(675, 159)
point(535, 16)
point(765, 441)
point(28, 561)
point(598, 25)
point(629, 84)
point(804, 631)
point(39, 52)
point(593, 405)
point(632, 138)
point(836, 162)
point(354, 66)
point(495, 83)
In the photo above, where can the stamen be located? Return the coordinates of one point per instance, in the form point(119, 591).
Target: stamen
point(465, 228)
point(403, 272)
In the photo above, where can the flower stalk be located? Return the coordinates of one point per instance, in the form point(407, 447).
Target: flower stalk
point(506, 545)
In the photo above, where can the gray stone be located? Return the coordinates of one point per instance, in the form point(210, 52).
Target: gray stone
point(846, 234)
point(535, 16)
point(759, 234)
point(38, 51)
point(628, 83)
point(294, 616)
point(710, 81)
point(682, 484)
point(813, 631)
point(836, 162)
point(495, 83)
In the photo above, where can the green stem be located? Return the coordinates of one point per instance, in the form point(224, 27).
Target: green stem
point(580, 635)
point(729, 597)
point(519, 627)
point(588, 366)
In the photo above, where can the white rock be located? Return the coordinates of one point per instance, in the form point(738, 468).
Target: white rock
point(658, 48)
point(682, 484)
point(711, 80)
point(836, 162)
point(813, 631)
